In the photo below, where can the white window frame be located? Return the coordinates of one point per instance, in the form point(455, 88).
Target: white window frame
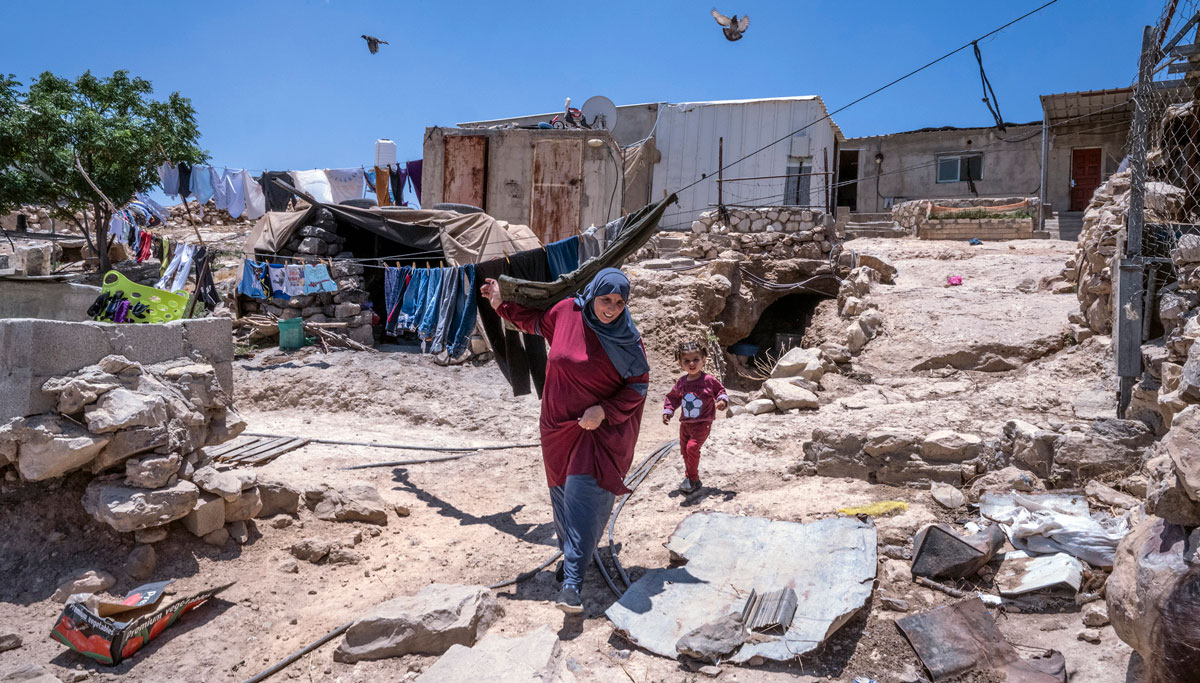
point(959, 158)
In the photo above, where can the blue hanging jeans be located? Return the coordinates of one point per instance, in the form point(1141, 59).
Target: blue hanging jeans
point(446, 301)
point(464, 312)
point(581, 510)
point(429, 309)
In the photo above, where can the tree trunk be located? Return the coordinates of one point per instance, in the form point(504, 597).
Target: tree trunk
point(102, 243)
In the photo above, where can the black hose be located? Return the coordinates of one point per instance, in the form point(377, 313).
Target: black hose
point(529, 574)
point(262, 676)
point(447, 449)
point(418, 461)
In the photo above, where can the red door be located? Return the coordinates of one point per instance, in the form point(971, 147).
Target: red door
point(464, 179)
point(1085, 176)
point(557, 189)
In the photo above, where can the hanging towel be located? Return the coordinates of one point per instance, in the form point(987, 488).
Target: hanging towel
point(185, 179)
point(315, 184)
point(117, 227)
point(220, 194)
point(563, 256)
point(236, 193)
point(180, 263)
point(317, 279)
point(278, 281)
point(294, 280)
point(256, 202)
point(382, 176)
point(202, 186)
point(345, 183)
point(252, 275)
point(414, 174)
point(169, 175)
point(277, 197)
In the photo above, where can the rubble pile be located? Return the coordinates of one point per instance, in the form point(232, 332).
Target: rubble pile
point(349, 305)
point(1172, 378)
point(767, 232)
point(140, 430)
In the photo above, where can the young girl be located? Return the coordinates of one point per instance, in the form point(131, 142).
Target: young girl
point(701, 395)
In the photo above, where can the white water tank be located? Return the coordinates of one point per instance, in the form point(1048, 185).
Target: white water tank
point(385, 153)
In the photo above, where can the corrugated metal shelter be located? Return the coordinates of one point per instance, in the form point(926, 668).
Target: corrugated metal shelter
point(687, 136)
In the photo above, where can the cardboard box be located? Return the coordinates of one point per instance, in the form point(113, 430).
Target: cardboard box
point(88, 627)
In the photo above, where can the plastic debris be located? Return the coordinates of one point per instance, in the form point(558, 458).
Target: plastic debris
point(879, 509)
point(953, 280)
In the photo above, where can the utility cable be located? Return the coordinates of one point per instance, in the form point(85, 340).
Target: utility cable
point(989, 94)
point(874, 92)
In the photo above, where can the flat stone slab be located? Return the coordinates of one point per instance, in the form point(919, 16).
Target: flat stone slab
point(829, 563)
point(535, 657)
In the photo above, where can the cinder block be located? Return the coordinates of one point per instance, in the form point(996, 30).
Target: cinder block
point(207, 515)
point(60, 347)
point(211, 337)
point(146, 344)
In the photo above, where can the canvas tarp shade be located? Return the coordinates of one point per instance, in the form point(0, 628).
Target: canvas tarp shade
point(470, 237)
point(640, 226)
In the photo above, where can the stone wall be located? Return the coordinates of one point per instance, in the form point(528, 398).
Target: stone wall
point(915, 217)
point(312, 244)
point(986, 229)
point(772, 232)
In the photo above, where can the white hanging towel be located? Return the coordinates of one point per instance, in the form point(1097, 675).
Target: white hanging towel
point(256, 201)
point(315, 184)
point(345, 183)
point(235, 193)
point(220, 193)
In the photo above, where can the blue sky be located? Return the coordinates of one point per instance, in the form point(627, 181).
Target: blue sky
point(290, 84)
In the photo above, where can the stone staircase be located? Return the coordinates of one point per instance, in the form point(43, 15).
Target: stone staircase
point(1065, 226)
point(669, 245)
point(873, 225)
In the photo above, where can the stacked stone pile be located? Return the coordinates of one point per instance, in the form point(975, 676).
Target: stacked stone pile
point(1172, 378)
point(178, 216)
point(141, 431)
point(768, 232)
point(312, 244)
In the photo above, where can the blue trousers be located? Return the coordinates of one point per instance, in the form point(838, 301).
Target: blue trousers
point(581, 510)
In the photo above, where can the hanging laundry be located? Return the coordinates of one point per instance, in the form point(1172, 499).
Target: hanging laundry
point(315, 184)
point(398, 178)
point(277, 197)
point(294, 282)
point(414, 174)
point(144, 246)
point(256, 202)
point(381, 186)
point(177, 271)
point(411, 301)
point(563, 256)
point(369, 176)
point(201, 184)
point(278, 280)
point(155, 208)
point(206, 289)
point(591, 243)
point(164, 255)
point(464, 313)
point(345, 183)
point(447, 298)
point(169, 175)
point(252, 277)
point(521, 357)
point(429, 307)
point(236, 193)
point(220, 193)
point(185, 179)
point(614, 229)
point(317, 279)
point(118, 228)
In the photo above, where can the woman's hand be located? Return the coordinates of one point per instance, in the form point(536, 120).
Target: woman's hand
point(592, 417)
point(666, 419)
point(722, 405)
point(491, 291)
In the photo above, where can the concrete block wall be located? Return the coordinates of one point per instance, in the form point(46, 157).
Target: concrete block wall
point(33, 351)
point(982, 228)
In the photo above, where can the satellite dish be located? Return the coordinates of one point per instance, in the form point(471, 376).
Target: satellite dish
point(599, 112)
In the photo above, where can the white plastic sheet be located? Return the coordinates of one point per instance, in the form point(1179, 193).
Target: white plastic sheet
point(1051, 523)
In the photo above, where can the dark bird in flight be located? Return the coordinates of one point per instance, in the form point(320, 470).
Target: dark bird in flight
point(373, 43)
point(732, 27)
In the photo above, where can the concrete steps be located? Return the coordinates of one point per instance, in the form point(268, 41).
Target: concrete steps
point(1065, 226)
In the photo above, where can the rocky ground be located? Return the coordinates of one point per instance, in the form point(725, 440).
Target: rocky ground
point(967, 358)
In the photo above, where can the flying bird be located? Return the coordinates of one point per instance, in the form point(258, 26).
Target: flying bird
point(373, 43)
point(733, 28)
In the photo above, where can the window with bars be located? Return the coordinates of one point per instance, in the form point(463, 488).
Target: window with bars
point(959, 168)
point(796, 191)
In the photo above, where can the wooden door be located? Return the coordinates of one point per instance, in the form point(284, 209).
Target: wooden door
point(464, 179)
point(556, 200)
point(1086, 175)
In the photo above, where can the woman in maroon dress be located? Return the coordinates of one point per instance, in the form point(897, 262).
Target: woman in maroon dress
point(596, 380)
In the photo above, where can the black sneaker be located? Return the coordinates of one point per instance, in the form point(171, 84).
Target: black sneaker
point(569, 601)
point(559, 572)
point(696, 485)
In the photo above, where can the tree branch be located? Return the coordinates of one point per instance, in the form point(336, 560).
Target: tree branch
point(79, 167)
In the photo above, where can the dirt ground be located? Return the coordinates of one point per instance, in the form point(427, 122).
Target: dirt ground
point(486, 518)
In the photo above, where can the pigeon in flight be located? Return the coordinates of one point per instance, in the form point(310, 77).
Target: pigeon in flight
point(373, 43)
point(733, 28)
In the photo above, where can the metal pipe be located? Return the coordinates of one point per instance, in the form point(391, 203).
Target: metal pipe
point(720, 171)
point(450, 449)
point(1042, 182)
point(785, 175)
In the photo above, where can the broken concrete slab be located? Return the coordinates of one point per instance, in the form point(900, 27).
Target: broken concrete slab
point(126, 509)
point(939, 552)
point(1021, 573)
point(353, 501)
point(535, 657)
point(963, 637)
point(429, 622)
point(829, 563)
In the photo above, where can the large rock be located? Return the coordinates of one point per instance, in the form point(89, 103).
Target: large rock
point(127, 509)
point(152, 471)
point(806, 363)
point(122, 408)
point(1032, 447)
point(48, 446)
point(354, 501)
point(1166, 496)
point(1004, 480)
point(760, 406)
point(892, 442)
point(1182, 445)
point(206, 516)
point(838, 453)
point(127, 443)
point(1148, 563)
point(224, 484)
point(278, 497)
point(535, 657)
point(428, 623)
point(74, 393)
point(1109, 446)
point(91, 581)
point(787, 395)
point(245, 507)
point(948, 446)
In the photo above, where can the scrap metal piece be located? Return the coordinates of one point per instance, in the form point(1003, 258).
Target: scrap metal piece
point(830, 565)
point(769, 611)
point(941, 553)
point(963, 637)
point(1021, 573)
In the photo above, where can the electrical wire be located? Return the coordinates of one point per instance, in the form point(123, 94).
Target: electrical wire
point(989, 94)
point(829, 115)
